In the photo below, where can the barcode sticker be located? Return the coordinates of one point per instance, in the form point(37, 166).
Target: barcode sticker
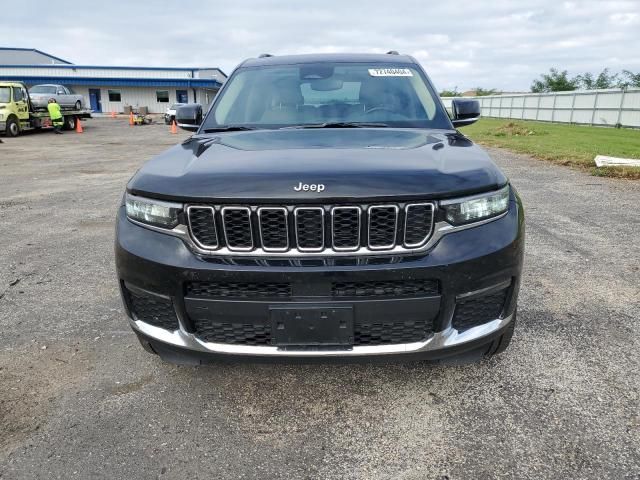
point(390, 72)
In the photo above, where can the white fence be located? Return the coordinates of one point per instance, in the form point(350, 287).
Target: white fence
point(590, 107)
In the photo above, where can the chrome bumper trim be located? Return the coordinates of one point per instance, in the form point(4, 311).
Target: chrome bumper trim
point(439, 341)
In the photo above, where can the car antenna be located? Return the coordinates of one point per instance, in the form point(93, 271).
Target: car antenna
point(393, 52)
point(265, 55)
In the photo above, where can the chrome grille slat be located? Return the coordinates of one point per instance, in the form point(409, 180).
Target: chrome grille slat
point(309, 228)
point(345, 228)
point(274, 228)
point(418, 224)
point(382, 226)
point(203, 227)
point(238, 232)
point(304, 230)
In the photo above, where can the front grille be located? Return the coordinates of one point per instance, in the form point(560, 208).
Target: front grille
point(478, 310)
point(389, 288)
point(156, 311)
point(392, 332)
point(264, 290)
point(327, 229)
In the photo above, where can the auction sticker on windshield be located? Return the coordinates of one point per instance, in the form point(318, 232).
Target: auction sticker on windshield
point(390, 72)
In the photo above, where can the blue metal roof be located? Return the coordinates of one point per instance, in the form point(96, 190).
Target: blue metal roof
point(119, 82)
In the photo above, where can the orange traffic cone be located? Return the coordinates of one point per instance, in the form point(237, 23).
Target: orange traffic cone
point(131, 119)
point(78, 126)
point(113, 114)
point(174, 128)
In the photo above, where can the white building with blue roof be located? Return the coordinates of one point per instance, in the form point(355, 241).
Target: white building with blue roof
point(111, 89)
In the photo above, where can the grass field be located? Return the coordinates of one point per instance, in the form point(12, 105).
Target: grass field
point(572, 145)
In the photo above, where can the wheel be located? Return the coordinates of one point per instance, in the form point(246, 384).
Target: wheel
point(69, 122)
point(13, 127)
point(501, 343)
point(78, 105)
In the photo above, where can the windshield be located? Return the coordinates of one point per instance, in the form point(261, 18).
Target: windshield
point(43, 89)
point(5, 94)
point(327, 93)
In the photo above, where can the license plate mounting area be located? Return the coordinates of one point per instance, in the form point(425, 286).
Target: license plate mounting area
point(311, 325)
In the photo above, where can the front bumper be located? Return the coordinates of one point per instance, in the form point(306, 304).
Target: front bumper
point(187, 348)
point(39, 103)
point(466, 264)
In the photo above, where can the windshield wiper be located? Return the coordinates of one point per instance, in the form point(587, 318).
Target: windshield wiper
point(228, 128)
point(338, 125)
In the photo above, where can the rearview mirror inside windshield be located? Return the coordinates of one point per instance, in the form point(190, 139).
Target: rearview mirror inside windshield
point(325, 85)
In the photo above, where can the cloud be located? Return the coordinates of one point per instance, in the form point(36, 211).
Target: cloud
point(493, 43)
point(626, 18)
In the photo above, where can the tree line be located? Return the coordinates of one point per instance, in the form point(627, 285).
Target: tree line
point(560, 81)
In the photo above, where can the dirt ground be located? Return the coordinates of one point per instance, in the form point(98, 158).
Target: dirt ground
point(80, 399)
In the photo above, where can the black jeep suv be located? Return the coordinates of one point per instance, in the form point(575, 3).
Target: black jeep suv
point(325, 207)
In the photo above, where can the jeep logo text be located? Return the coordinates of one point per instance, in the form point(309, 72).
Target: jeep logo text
point(309, 187)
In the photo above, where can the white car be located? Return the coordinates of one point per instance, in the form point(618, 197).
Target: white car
point(40, 95)
point(170, 114)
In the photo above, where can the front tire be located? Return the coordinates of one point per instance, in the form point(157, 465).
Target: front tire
point(13, 127)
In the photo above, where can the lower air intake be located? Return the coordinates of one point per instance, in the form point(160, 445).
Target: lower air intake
point(153, 310)
point(262, 290)
point(478, 310)
point(392, 332)
point(233, 333)
point(387, 288)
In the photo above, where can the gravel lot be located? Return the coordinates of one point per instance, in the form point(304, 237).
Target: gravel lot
point(80, 399)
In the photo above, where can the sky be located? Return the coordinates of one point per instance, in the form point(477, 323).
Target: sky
point(464, 44)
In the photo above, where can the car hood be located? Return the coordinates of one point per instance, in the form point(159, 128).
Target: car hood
point(266, 165)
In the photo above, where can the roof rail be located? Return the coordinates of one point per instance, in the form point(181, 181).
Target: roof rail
point(393, 52)
point(265, 55)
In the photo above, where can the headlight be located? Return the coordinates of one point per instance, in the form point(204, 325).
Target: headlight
point(476, 208)
point(153, 212)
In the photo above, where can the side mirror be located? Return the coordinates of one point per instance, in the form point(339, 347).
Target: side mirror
point(465, 111)
point(189, 117)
